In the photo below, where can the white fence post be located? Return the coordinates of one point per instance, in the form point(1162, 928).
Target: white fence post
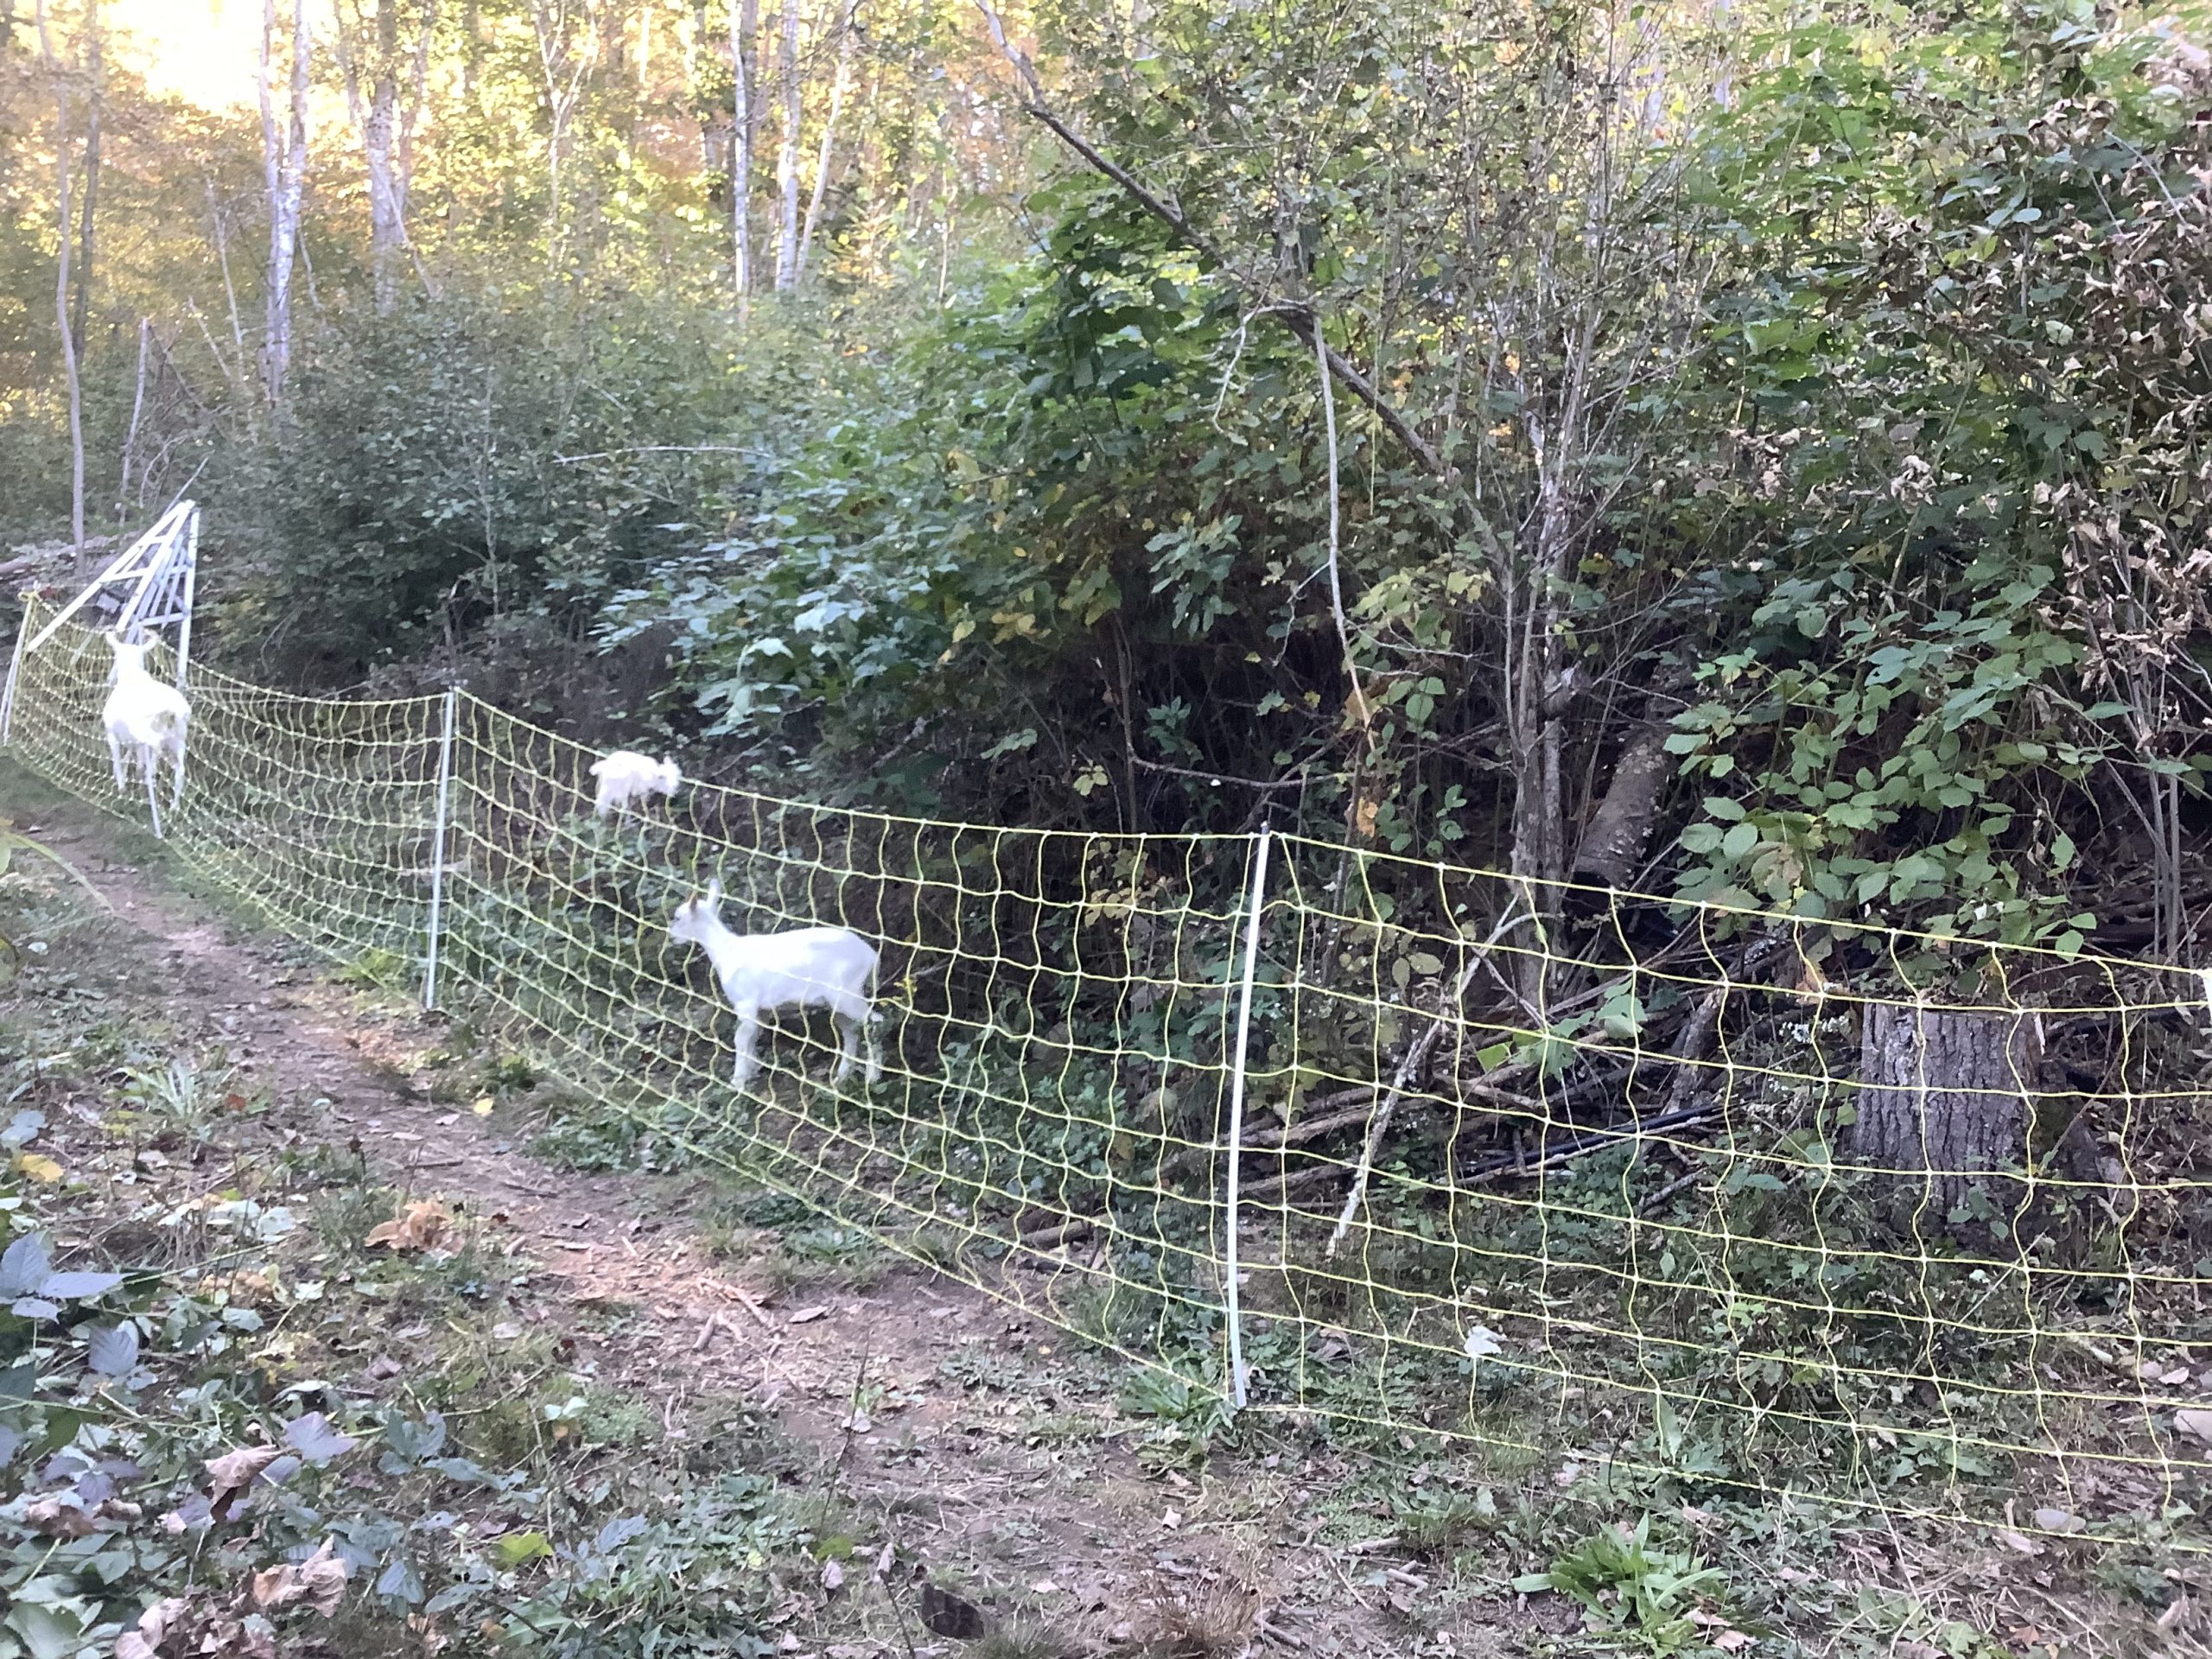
point(438, 853)
point(1254, 905)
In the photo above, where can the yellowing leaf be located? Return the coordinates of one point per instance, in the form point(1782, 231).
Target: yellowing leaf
point(516, 1548)
point(481, 1106)
point(425, 1226)
point(39, 1167)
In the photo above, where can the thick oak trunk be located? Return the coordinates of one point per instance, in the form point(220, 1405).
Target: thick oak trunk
point(1944, 1108)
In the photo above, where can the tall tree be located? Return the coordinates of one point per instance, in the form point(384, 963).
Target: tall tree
point(284, 173)
point(787, 156)
point(92, 94)
point(847, 33)
point(369, 51)
point(61, 285)
point(565, 67)
point(745, 126)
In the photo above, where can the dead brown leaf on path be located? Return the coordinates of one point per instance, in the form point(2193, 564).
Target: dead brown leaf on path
point(55, 1519)
point(234, 1472)
point(153, 1626)
point(319, 1582)
point(425, 1224)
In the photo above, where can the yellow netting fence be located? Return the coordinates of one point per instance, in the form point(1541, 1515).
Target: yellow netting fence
point(1813, 1212)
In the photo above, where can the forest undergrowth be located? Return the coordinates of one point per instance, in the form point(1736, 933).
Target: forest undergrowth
point(313, 1353)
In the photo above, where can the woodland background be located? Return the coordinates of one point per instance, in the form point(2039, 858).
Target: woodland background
point(1761, 453)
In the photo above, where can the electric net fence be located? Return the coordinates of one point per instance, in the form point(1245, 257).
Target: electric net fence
point(1578, 1179)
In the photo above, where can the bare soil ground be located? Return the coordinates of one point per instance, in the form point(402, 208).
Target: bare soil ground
point(997, 1455)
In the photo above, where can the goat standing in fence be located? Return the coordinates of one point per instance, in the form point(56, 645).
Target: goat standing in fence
point(146, 720)
point(808, 967)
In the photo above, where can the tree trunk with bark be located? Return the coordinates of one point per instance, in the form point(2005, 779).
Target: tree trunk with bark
point(1943, 1108)
point(69, 372)
point(369, 53)
point(846, 35)
point(787, 156)
point(745, 130)
point(284, 171)
point(1612, 845)
point(92, 173)
point(1539, 687)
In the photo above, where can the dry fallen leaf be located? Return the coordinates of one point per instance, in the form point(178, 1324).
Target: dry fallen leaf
point(39, 1167)
point(2020, 1542)
point(1730, 1641)
point(234, 1472)
point(2195, 1421)
point(55, 1519)
point(806, 1315)
point(424, 1226)
point(319, 1581)
point(153, 1626)
point(482, 1106)
point(833, 1575)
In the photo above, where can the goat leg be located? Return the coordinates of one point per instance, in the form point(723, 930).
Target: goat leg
point(748, 1033)
point(845, 1038)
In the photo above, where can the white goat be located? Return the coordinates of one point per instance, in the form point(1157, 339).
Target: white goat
point(808, 967)
point(626, 776)
point(145, 718)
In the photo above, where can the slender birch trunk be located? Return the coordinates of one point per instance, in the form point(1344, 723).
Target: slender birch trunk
point(846, 35)
point(744, 33)
point(284, 164)
point(787, 157)
point(62, 291)
point(130, 437)
point(91, 171)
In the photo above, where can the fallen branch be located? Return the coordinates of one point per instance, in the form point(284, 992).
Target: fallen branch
point(1548, 1155)
point(1409, 1065)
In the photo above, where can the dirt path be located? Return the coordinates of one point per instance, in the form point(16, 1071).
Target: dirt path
point(989, 1451)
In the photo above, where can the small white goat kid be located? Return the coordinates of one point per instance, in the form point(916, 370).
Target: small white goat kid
point(809, 967)
point(625, 777)
point(146, 720)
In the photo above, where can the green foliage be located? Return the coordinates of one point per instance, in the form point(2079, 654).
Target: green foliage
point(1631, 1588)
point(14, 841)
point(1837, 774)
point(1188, 1419)
point(462, 459)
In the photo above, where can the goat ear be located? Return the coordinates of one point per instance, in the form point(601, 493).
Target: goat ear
point(715, 894)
